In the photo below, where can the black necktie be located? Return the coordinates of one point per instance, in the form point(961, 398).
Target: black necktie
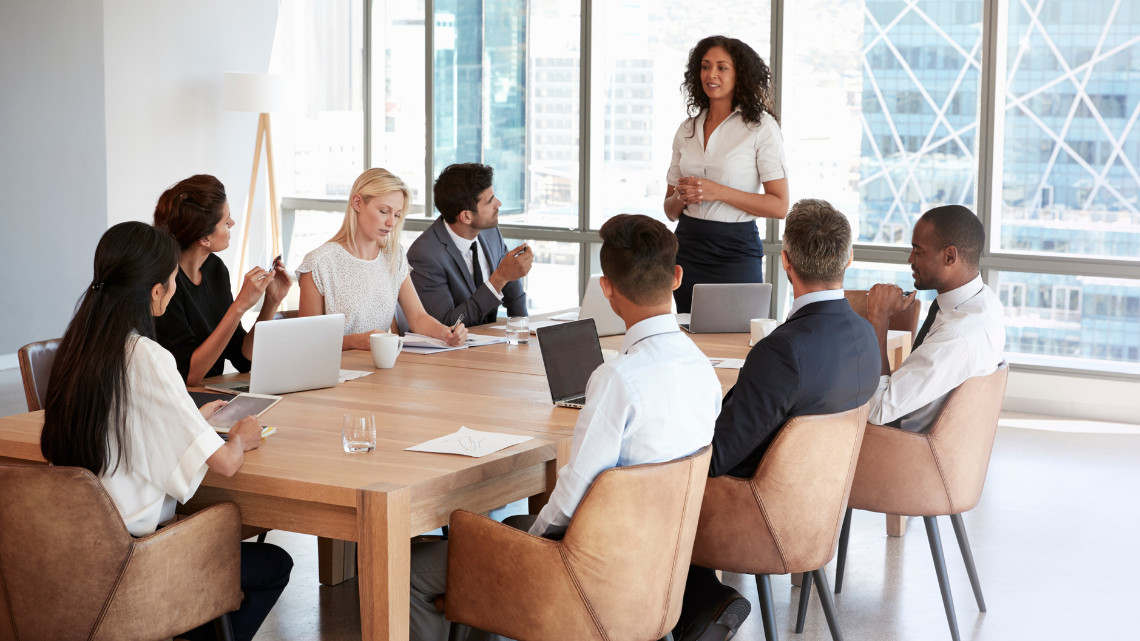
point(476, 271)
point(926, 324)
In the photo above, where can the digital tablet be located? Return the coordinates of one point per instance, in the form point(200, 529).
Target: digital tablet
point(241, 406)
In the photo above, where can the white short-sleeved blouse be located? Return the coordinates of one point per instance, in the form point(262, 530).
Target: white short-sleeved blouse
point(739, 155)
point(168, 438)
point(365, 291)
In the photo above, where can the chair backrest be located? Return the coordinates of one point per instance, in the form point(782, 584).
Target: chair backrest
point(629, 542)
point(939, 471)
point(905, 321)
point(63, 547)
point(36, 360)
point(787, 517)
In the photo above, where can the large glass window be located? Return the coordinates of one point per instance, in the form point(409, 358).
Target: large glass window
point(1070, 183)
point(639, 52)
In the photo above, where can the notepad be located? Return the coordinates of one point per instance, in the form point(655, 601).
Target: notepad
point(469, 442)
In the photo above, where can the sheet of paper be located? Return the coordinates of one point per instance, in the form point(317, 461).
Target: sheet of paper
point(565, 316)
point(479, 340)
point(420, 344)
point(351, 374)
point(727, 363)
point(534, 324)
point(469, 442)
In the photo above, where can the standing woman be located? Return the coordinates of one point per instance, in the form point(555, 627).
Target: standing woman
point(203, 328)
point(728, 148)
point(362, 271)
point(116, 406)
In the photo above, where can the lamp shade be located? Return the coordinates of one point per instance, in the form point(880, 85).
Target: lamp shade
point(256, 92)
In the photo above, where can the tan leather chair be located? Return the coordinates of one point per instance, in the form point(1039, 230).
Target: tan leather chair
point(785, 518)
point(904, 321)
point(933, 473)
point(70, 570)
point(619, 573)
point(36, 360)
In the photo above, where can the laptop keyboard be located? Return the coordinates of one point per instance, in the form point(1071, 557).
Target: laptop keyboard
point(240, 389)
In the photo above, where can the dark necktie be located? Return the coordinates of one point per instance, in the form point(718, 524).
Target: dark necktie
point(476, 271)
point(926, 324)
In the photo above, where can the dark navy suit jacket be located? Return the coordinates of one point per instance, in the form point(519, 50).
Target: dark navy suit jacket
point(447, 288)
point(823, 360)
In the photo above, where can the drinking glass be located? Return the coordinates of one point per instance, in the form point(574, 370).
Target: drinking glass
point(518, 330)
point(358, 433)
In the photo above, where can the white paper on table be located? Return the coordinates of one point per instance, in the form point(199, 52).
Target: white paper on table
point(420, 344)
point(727, 363)
point(479, 340)
point(534, 324)
point(351, 374)
point(468, 442)
point(565, 316)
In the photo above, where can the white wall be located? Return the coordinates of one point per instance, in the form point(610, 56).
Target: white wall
point(53, 198)
point(164, 120)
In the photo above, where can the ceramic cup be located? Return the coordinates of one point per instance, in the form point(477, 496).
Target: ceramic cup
point(761, 327)
point(385, 349)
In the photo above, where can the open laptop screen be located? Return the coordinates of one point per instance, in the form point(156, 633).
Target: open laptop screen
point(570, 353)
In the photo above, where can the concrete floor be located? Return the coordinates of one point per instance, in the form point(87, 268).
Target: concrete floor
point(1054, 538)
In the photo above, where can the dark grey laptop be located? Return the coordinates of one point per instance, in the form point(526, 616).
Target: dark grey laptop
point(721, 308)
point(570, 353)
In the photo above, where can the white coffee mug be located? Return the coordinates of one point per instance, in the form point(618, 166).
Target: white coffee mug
point(761, 327)
point(385, 349)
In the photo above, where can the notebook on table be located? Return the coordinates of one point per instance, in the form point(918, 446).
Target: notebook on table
point(292, 355)
point(720, 308)
point(570, 353)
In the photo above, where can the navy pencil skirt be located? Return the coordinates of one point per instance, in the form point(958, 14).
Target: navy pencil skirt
point(715, 252)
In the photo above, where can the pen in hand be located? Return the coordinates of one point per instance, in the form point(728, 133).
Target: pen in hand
point(456, 325)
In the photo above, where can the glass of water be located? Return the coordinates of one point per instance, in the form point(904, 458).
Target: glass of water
point(518, 330)
point(358, 433)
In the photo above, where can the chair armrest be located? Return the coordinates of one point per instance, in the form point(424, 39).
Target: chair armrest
point(511, 583)
point(898, 474)
point(181, 576)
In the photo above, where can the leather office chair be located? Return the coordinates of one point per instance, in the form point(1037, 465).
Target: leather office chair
point(930, 474)
point(619, 573)
point(905, 321)
point(786, 518)
point(70, 570)
point(36, 360)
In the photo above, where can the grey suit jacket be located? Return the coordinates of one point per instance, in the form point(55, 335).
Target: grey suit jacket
point(446, 286)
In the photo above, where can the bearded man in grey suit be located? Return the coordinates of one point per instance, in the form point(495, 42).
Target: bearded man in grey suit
point(460, 264)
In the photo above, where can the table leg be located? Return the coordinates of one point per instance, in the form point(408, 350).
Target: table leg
point(896, 525)
point(538, 501)
point(336, 560)
point(384, 518)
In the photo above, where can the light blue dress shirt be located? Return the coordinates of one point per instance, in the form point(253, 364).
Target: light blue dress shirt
point(657, 401)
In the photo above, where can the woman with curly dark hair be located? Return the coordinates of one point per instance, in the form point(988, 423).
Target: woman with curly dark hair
point(727, 168)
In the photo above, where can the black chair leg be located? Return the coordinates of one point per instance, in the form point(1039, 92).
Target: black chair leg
point(825, 600)
point(940, 569)
point(767, 608)
point(805, 597)
point(261, 537)
point(841, 557)
point(968, 558)
point(222, 629)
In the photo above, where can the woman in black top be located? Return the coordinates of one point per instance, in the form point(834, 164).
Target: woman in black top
point(202, 326)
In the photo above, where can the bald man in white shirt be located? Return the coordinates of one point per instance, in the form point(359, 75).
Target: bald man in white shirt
point(963, 335)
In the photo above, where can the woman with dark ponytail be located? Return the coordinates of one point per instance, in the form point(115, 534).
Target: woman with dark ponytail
point(727, 169)
point(203, 326)
point(117, 406)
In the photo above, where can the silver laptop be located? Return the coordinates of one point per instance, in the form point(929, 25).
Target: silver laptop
point(570, 353)
point(722, 308)
point(595, 306)
point(292, 355)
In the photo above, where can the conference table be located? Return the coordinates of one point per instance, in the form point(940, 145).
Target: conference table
point(301, 480)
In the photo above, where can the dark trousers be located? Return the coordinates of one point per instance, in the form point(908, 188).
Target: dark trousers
point(702, 591)
point(715, 252)
point(264, 573)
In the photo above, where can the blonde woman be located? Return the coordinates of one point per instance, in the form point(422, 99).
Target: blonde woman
point(362, 272)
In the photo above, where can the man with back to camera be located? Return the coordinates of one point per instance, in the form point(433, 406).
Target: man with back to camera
point(822, 360)
point(963, 335)
point(460, 265)
point(655, 402)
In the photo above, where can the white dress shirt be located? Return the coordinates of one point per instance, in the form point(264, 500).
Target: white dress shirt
point(967, 339)
point(657, 401)
point(814, 297)
point(464, 247)
point(169, 441)
point(739, 155)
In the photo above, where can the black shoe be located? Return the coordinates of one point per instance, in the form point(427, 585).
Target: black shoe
point(717, 622)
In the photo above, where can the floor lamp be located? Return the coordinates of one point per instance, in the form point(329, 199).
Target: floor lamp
point(260, 93)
